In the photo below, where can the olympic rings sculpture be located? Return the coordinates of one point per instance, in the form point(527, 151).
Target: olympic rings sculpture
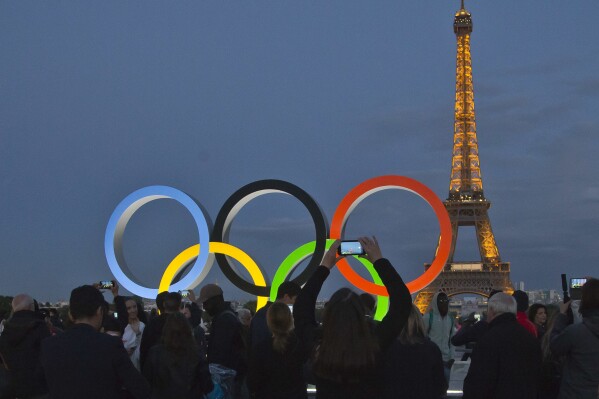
point(201, 256)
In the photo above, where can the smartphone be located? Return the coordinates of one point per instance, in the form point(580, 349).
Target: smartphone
point(476, 316)
point(106, 284)
point(348, 248)
point(184, 293)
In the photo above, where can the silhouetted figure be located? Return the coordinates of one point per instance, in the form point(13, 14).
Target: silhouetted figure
point(175, 367)
point(579, 344)
point(346, 362)
point(20, 348)
point(84, 363)
point(413, 364)
point(276, 364)
point(507, 358)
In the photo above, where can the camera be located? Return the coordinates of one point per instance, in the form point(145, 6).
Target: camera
point(349, 248)
point(106, 284)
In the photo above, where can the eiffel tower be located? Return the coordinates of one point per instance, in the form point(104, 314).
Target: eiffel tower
point(466, 203)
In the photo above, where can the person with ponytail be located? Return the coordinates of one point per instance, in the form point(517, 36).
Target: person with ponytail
point(276, 363)
point(348, 360)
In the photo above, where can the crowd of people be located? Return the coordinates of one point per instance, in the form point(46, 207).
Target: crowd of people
point(173, 353)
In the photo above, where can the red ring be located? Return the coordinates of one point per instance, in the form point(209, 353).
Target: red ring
point(365, 189)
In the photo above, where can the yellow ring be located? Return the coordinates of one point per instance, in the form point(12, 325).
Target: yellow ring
point(192, 252)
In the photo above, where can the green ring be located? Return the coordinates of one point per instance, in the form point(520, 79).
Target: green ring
point(301, 253)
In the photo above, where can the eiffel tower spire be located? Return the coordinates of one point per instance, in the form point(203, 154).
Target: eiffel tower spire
point(466, 203)
point(466, 180)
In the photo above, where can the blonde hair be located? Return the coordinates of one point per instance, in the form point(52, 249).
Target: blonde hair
point(413, 332)
point(280, 323)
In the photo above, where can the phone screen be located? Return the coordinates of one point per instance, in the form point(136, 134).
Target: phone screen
point(106, 285)
point(577, 282)
point(350, 248)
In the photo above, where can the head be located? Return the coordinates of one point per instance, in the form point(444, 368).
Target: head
point(132, 311)
point(22, 302)
point(344, 326)
point(413, 332)
point(537, 313)
point(521, 298)
point(368, 302)
point(87, 305)
point(288, 292)
point(443, 303)
point(590, 296)
point(499, 304)
point(160, 300)
point(172, 302)
point(280, 323)
point(176, 335)
point(111, 326)
point(186, 311)
point(245, 316)
point(211, 297)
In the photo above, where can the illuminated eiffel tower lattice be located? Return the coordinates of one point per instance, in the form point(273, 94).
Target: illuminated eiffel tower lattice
point(466, 204)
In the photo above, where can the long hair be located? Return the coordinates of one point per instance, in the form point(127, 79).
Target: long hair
point(177, 337)
point(348, 348)
point(413, 332)
point(280, 323)
point(532, 311)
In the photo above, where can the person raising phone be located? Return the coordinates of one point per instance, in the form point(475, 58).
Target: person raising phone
point(346, 361)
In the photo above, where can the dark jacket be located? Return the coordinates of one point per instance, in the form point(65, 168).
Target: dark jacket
point(400, 303)
point(468, 334)
point(151, 336)
point(180, 377)
point(414, 371)
point(505, 362)
point(84, 363)
point(225, 344)
point(258, 328)
point(274, 375)
point(20, 345)
point(579, 344)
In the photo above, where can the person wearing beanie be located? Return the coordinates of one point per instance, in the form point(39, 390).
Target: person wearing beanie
point(521, 298)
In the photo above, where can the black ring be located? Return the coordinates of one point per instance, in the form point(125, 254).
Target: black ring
point(223, 222)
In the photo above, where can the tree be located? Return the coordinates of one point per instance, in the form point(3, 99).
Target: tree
point(5, 306)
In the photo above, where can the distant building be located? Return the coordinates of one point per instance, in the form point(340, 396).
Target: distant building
point(544, 296)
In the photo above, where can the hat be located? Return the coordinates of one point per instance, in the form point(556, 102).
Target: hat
point(209, 291)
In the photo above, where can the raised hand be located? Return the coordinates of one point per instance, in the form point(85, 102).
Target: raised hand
point(371, 247)
point(331, 257)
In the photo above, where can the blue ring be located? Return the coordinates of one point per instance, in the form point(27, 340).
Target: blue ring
point(113, 246)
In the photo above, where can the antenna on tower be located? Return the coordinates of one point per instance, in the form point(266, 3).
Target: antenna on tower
point(463, 5)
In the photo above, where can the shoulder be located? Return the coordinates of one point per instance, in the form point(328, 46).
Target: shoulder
point(227, 317)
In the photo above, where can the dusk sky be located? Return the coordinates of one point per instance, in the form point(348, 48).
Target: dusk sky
point(99, 99)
